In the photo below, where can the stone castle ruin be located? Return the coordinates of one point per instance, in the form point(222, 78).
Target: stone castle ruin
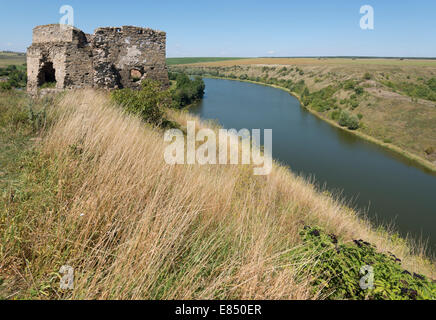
point(64, 57)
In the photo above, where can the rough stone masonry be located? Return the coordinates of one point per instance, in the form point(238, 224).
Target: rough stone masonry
point(64, 57)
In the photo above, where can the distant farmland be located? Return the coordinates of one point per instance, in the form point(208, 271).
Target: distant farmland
point(10, 58)
point(174, 61)
point(400, 62)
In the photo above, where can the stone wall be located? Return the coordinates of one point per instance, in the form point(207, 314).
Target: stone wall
point(135, 54)
point(110, 58)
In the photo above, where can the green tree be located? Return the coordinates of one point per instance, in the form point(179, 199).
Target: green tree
point(348, 120)
point(148, 103)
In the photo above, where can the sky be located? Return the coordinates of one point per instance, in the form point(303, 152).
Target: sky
point(241, 28)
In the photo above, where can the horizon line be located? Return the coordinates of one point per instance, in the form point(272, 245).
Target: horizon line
point(288, 57)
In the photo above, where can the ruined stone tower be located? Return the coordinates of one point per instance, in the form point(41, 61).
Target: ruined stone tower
point(111, 58)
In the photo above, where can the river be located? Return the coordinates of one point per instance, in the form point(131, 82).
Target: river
point(387, 187)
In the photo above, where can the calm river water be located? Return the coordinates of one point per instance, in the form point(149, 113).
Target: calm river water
point(386, 186)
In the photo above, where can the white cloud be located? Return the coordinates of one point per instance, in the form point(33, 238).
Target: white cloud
point(271, 52)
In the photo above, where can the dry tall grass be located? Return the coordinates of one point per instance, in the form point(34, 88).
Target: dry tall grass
point(134, 227)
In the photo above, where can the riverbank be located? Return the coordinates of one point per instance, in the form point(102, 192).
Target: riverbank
point(420, 162)
point(390, 102)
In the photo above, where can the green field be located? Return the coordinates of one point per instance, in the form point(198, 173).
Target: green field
point(173, 61)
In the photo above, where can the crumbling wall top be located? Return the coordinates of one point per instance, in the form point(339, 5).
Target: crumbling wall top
point(127, 30)
point(57, 33)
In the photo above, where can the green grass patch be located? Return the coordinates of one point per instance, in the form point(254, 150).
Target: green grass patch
point(425, 89)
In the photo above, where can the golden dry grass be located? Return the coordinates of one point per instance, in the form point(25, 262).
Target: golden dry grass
point(134, 227)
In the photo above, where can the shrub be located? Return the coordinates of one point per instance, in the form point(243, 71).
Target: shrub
point(432, 84)
point(335, 114)
point(429, 150)
point(283, 71)
point(4, 86)
point(348, 120)
point(358, 90)
point(296, 87)
point(354, 104)
point(187, 91)
point(17, 78)
point(367, 76)
point(243, 77)
point(349, 85)
point(322, 100)
point(172, 75)
point(148, 102)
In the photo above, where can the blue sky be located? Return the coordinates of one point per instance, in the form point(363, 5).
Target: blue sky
point(244, 28)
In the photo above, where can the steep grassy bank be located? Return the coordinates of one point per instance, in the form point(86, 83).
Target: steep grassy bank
point(390, 102)
point(95, 193)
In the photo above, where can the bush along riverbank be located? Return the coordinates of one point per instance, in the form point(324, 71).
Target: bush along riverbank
point(335, 104)
point(151, 102)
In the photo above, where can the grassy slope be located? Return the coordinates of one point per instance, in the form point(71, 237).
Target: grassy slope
point(392, 118)
point(97, 195)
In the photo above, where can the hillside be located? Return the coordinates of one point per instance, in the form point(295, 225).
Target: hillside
point(389, 101)
point(85, 185)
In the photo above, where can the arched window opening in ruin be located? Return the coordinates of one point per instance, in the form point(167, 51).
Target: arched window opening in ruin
point(135, 75)
point(47, 75)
